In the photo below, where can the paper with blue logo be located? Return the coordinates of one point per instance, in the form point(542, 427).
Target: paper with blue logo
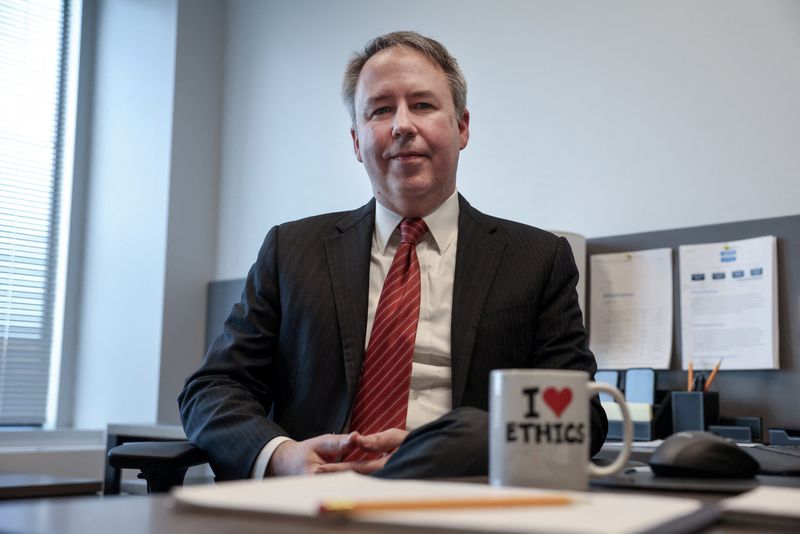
point(729, 304)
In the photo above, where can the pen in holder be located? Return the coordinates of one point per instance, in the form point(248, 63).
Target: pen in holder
point(694, 410)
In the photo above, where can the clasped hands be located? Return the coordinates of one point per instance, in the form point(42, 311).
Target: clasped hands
point(320, 454)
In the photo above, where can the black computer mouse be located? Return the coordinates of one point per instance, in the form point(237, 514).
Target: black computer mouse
point(701, 455)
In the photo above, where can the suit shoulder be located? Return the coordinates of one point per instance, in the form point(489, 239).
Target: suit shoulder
point(324, 221)
point(514, 227)
point(515, 231)
point(325, 224)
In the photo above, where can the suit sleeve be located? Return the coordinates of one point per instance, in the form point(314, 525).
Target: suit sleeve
point(224, 405)
point(560, 335)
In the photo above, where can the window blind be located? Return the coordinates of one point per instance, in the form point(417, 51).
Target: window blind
point(33, 47)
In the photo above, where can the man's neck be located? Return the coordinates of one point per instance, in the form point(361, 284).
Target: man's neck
point(442, 223)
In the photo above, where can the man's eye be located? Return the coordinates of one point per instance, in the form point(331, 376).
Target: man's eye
point(381, 111)
point(423, 105)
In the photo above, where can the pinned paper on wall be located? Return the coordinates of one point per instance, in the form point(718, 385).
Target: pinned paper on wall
point(631, 309)
point(729, 304)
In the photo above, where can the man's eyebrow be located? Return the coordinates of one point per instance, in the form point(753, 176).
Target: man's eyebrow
point(423, 94)
point(372, 100)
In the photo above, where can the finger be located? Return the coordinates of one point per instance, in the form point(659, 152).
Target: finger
point(370, 466)
point(330, 446)
point(335, 467)
point(365, 467)
point(385, 441)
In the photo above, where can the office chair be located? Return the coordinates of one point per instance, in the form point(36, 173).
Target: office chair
point(163, 464)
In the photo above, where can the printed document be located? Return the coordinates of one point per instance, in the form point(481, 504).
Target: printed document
point(591, 512)
point(631, 309)
point(729, 304)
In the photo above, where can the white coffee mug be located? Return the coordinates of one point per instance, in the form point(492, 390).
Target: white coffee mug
point(539, 428)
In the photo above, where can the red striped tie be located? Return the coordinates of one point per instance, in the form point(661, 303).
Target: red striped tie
point(382, 399)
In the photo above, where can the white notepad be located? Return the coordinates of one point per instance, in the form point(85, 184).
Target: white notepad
point(593, 512)
point(765, 504)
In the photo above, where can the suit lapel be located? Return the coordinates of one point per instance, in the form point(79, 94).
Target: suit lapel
point(480, 248)
point(348, 256)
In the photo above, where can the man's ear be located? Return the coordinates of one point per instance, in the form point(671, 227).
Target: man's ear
point(463, 129)
point(356, 147)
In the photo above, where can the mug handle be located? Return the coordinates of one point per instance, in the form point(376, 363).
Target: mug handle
point(624, 456)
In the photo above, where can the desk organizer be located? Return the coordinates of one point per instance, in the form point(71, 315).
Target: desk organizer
point(694, 410)
point(743, 429)
point(739, 434)
point(659, 427)
point(782, 436)
point(642, 430)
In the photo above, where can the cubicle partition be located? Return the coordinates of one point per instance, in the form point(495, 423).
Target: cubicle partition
point(771, 395)
point(222, 295)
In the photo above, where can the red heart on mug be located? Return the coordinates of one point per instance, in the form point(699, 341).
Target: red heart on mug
point(558, 400)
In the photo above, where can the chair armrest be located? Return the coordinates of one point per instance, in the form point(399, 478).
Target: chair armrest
point(162, 463)
point(156, 455)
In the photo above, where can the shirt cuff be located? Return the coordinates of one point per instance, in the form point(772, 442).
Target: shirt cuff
point(263, 458)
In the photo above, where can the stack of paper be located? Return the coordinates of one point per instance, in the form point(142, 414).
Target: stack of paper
point(766, 506)
point(590, 512)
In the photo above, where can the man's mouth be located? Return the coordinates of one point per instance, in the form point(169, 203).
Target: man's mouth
point(409, 156)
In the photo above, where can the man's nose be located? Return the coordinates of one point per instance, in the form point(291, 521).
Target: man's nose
point(403, 124)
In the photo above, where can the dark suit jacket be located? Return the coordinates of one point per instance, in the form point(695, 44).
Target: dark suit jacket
point(288, 360)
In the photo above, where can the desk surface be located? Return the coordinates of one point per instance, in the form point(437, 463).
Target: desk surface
point(23, 485)
point(136, 514)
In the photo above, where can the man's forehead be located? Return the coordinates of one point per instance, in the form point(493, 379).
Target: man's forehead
point(400, 53)
point(395, 64)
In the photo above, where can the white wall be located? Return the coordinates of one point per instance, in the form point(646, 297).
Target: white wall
point(602, 118)
point(150, 231)
point(597, 117)
point(126, 216)
point(194, 183)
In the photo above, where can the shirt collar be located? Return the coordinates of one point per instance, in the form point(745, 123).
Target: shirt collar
point(442, 224)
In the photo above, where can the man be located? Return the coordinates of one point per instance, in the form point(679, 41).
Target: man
point(388, 318)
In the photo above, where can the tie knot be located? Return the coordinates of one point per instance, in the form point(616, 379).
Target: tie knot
point(412, 230)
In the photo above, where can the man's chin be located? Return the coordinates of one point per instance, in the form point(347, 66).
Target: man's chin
point(416, 192)
point(418, 200)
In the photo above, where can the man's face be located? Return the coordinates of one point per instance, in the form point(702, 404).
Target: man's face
point(407, 134)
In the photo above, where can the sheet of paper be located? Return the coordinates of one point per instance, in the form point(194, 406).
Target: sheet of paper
point(647, 446)
point(729, 304)
point(301, 496)
point(631, 309)
point(766, 500)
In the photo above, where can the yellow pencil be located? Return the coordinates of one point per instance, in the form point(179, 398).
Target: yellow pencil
point(691, 377)
point(712, 375)
point(346, 507)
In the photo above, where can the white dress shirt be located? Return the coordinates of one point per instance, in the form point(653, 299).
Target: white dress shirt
point(429, 395)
